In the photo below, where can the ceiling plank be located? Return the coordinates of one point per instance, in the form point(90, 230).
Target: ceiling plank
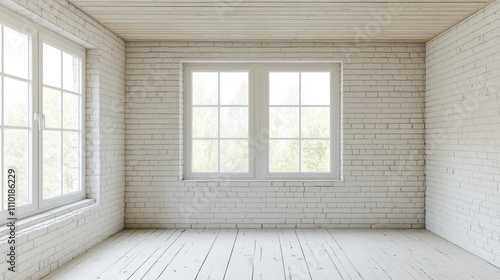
point(378, 20)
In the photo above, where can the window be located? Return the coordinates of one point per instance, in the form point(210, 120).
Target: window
point(61, 107)
point(41, 117)
point(262, 121)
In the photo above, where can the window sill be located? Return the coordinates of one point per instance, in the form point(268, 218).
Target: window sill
point(48, 217)
point(260, 180)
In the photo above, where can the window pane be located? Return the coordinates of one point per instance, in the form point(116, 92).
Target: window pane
point(234, 88)
point(315, 122)
point(234, 156)
point(283, 122)
point(71, 162)
point(52, 107)
point(205, 88)
point(315, 88)
point(51, 164)
point(315, 156)
point(71, 73)
point(205, 122)
point(205, 156)
point(16, 156)
point(283, 156)
point(51, 66)
point(1, 99)
point(71, 111)
point(4, 184)
point(234, 122)
point(16, 102)
point(1, 47)
point(16, 53)
point(283, 88)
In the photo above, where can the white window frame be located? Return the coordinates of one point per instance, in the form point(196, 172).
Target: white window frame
point(62, 44)
point(25, 27)
point(335, 116)
point(259, 119)
point(188, 105)
point(38, 35)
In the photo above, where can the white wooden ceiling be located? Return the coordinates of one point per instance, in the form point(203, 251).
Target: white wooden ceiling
point(360, 20)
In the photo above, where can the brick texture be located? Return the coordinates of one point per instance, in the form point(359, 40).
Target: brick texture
point(134, 127)
point(463, 134)
point(43, 247)
point(383, 142)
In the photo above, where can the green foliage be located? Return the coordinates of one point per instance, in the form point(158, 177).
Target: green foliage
point(17, 152)
point(16, 148)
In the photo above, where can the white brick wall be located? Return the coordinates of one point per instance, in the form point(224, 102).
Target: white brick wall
point(383, 142)
point(48, 245)
point(463, 134)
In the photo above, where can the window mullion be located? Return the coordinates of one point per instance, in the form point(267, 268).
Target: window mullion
point(62, 123)
point(218, 122)
point(300, 122)
point(254, 119)
point(36, 109)
point(265, 109)
point(264, 121)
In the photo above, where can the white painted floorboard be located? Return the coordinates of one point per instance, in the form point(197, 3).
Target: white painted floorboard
point(308, 254)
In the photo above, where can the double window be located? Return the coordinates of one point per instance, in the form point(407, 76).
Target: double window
point(41, 118)
point(262, 121)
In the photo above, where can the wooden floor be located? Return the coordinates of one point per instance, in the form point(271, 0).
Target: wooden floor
point(275, 255)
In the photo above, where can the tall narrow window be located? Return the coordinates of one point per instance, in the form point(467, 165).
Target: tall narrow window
point(289, 114)
point(16, 111)
point(218, 122)
point(62, 130)
point(299, 122)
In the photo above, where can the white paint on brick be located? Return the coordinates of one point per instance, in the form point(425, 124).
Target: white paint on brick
point(45, 246)
point(383, 142)
point(463, 134)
